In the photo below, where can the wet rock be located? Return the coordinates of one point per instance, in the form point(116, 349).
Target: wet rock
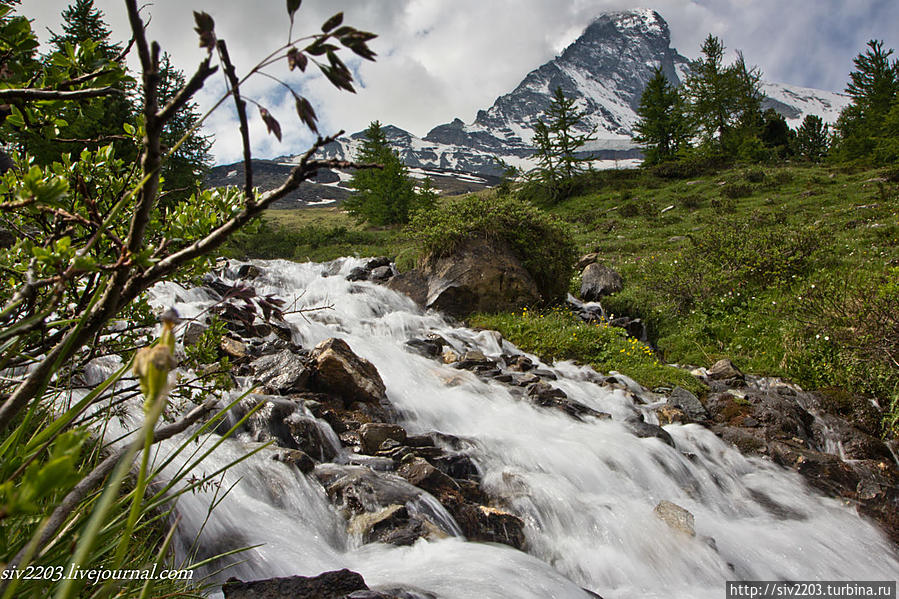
point(283, 372)
point(675, 517)
point(689, 404)
point(487, 524)
point(520, 363)
point(425, 476)
point(330, 585)
point(429, 348)
point(545, 395)
point(358, 274)
point(413, 283)
point(338, 370)
point(723, 370)
point(457, 466)
point(645, 430)
point(295, 457)
point(373, 434)
point(192, 332)
point(248, 271)
point(670, 415)
point(309, 438)
point(449, 356)
point(598, 280)
point(358, 489)
point(381, 273)
point(393, 525)
point(378, 262)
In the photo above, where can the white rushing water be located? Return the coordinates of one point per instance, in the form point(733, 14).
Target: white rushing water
point(586, 490)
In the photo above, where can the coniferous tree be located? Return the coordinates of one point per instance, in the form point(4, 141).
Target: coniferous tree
point(188, 164)
point(83, 21)
point(558, 140)
point(874, 89)
point(663, 128)
point(385, 195)
point(85, 46)
point(811, 138)
point(724, 100)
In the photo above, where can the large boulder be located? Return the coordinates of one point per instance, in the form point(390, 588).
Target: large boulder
point(340, 371)
point(330, 585)
point(598, 280)
point(482, 275)
point(282, 372)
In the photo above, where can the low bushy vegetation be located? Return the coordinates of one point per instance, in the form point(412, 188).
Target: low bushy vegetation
point(542, 242)
point(557, 334)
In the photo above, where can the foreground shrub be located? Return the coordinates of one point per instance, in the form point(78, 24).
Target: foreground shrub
point(542, 242)
point(850, 337)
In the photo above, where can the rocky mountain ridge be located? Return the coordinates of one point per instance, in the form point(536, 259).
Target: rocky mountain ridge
point(605, 69)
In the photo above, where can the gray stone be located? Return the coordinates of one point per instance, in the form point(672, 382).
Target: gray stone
point(192, 332)
point(676, 517)
point(283, 372)
point(688, 403)
point(373, 434)
point(330, 585)
point(381, 273)
point(724, 369)
point(598, 280)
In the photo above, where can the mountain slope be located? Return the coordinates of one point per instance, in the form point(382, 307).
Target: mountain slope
point(606, 70)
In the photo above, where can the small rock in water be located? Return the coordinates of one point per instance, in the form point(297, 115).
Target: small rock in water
point(688, 403)
point(358, 274)
point(373, 434)
point(381, 273)
point(295, 457)
point(676, 517)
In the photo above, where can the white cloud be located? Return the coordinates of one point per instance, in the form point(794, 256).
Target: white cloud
point(439, 59)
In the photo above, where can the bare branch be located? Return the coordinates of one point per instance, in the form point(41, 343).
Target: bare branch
point(241, 105)
point(203, 72)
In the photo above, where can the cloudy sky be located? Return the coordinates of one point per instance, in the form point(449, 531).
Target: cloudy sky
point(441, 59)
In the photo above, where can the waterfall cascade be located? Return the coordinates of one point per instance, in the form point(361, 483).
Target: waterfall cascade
point(586, 489)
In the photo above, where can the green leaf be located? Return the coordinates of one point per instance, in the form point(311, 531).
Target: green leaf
point(293, 6)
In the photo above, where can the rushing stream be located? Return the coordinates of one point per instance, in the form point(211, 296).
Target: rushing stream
point(586, 490)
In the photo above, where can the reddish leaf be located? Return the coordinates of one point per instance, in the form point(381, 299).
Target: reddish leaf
point(295, 59)
point(206, 28)
point(333, 22)
point(307, 114)
point(271, 123)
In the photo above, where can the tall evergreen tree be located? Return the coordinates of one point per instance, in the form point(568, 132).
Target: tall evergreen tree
point(186, 168)
point(558, 140)
point(664, 127)
point(84, 46)
point(724, 100)
point(811, 138)
point(874, 89)
point(83, 21)
point(385, 195)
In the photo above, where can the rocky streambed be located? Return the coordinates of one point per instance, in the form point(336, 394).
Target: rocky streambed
point(410, 457)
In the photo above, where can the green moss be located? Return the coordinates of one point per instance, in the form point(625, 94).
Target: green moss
point(560, 335)
point(541, 241)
